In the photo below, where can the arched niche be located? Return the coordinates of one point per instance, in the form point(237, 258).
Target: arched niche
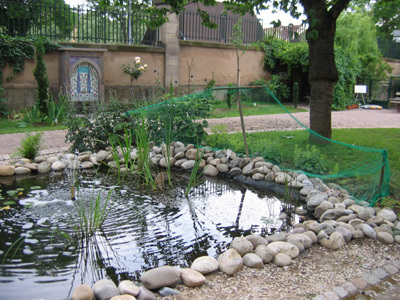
point(82, 73)
point(84, 80)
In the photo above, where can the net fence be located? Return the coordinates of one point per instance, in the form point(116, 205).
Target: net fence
point(284, 140)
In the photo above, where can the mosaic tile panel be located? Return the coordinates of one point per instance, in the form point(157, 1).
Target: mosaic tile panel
point(84, 83)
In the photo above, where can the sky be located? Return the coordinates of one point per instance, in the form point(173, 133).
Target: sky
point(266, 16)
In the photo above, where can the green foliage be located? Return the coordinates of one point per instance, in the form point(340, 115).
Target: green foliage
point(181, 113)
point(40, 73)
point(3, 107)
point(348, 68)
point(57, 112)
point(92, 131)
point(292, 55)
point(269, 149)
point(386, 16)
point(356, 34)
point(30, 145)
point(309, 160)
point(275, 85)
point(15, 50)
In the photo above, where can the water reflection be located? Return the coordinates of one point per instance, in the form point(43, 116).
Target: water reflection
point(143, 230)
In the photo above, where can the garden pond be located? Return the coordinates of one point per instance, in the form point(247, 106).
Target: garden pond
point(143, 229)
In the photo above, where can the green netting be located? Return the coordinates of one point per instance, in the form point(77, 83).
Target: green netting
point(364, 172)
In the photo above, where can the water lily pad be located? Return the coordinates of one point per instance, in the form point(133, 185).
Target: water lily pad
point(36, 187)
point(12, 192)
point(20, 189)
point(9, 202)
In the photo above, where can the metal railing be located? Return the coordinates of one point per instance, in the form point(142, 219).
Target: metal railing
point(290, 33)
point(60, 22)
point(190, 28)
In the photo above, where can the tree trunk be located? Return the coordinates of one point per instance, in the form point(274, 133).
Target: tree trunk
point(323, 74)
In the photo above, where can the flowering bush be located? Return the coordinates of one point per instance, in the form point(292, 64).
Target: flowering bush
point(134, 71)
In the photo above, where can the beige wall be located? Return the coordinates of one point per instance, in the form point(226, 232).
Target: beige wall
point(208, 58)
point(220, 61)
point(395, 64)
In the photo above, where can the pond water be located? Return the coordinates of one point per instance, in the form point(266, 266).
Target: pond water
point(143, 230)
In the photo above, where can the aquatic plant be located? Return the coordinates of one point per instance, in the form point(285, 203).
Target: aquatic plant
point(92, 213)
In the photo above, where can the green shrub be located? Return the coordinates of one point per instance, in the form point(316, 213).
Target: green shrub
point(31, 145)
point(269, 149)
point(181, 118)
point(92, 131)
point(309, 160)
point(41, 77)
point(3, 108)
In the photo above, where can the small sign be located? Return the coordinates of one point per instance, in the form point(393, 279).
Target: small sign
point(360, 89)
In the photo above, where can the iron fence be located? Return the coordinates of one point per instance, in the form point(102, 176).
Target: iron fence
point(291, 33)
point(389, 48)
point(190, 28)
point(60, 22)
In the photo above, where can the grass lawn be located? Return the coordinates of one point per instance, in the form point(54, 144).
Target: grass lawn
point(8, 126)
point(221, 110)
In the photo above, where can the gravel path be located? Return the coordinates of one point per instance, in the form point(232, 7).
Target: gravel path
point(355, 118)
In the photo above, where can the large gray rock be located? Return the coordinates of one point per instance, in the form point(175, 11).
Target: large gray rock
point(247, 168)
point(187, 165)
point(301, 238)
point(160, 277)
point(210, 170)
point(387, 214)
point(284, 247)
point(21, 171)
point(222, 168)
point(252, 260)
point(102, 155)
point(277, 237)
point(82, 292)
point(191, 277)
point(282, 260)
point(315, 198)
point(242, 245)
point(334, 214)
point(257, 240)
point(105, 289)
point(368, 231)
point(230, 262)
point(145, 294)
point(128, 287)
point(335, 241)
point(205, 264)
point(264, 253)
point(385, 237)
point(44, 167)
point(322, 207)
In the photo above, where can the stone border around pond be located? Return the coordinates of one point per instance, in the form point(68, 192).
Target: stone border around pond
point(338, 220)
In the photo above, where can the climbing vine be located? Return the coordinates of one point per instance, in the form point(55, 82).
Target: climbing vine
point(15, 50)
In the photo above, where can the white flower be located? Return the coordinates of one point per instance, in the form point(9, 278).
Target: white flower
point(141, 68)
point(145, 66)
point(137, 58)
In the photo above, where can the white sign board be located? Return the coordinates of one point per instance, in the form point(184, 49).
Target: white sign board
point(360, 89)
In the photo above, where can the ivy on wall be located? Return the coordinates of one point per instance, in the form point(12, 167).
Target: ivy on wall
point(15, 50)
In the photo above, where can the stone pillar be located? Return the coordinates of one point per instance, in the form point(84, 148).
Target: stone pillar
point(169, 36)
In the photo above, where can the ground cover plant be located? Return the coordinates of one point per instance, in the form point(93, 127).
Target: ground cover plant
point(11, 126)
